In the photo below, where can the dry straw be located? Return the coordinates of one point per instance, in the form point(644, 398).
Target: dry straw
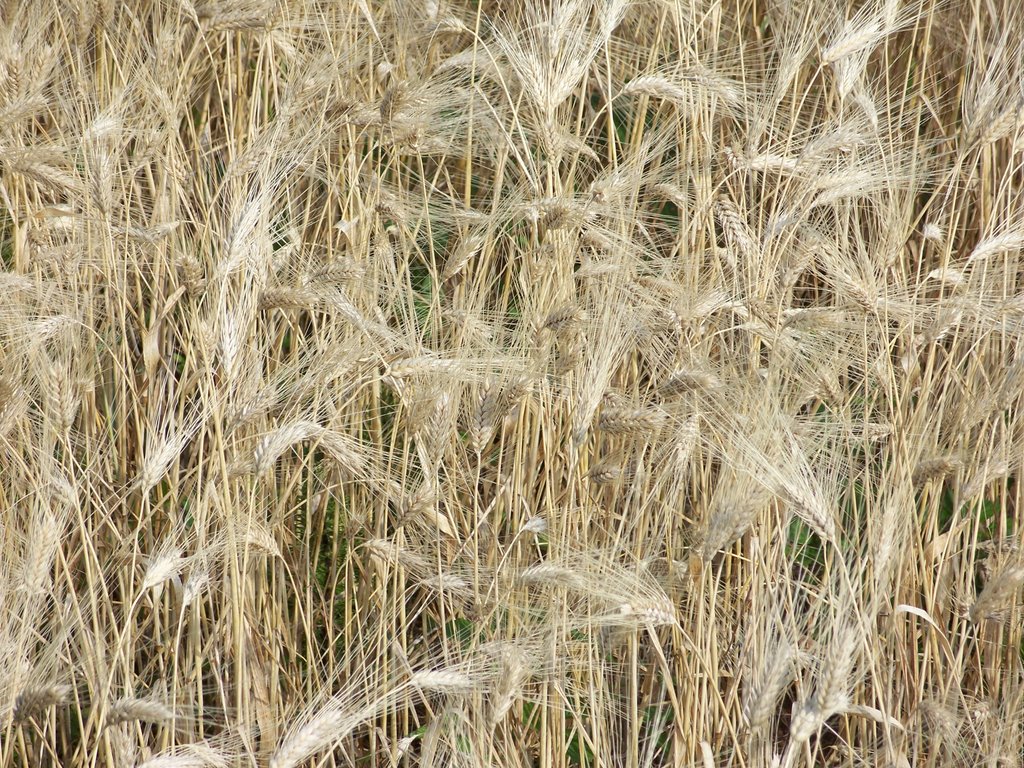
point(510, 383)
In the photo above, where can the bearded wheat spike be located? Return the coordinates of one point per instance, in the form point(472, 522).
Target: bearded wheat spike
point(653, 613)
point(535, 525)
point(450, 584)
point(444, 681)
point(605, 472)
point(627, 421)
point(733, 509)
point(950, 276)
point(854, 39)
point(273, 446)
point(936, 468)
point(998, 593)
point(150, 235)
point(736, 230)
point(159, 460)
point(807, 719)
point(328, 726)
point(1002, 125)
point(932, 232)
point(164, 566)
point(562, 318)
point(976, 485)
point(552, 574)
point(657, 86)
point(345, 451)
point(287, 298)
point(996, 245)
point(832, 692)
point(415, 366)
point(683, 380)
point(510, 680)
point(342, 270)
point(143, 710)
point(36, 697)
point(662, 87)
point(258, 536)
point(465, 252)
point(38, 168)
point(189, 756)
point(484, 416)
point(198, 580)
point(43, 546)
point(236, 15)
point(761, 702)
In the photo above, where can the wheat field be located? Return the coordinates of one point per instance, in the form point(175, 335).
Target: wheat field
point(512, 384)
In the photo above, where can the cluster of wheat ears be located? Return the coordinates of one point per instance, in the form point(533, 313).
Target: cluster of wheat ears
point(513, 384)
